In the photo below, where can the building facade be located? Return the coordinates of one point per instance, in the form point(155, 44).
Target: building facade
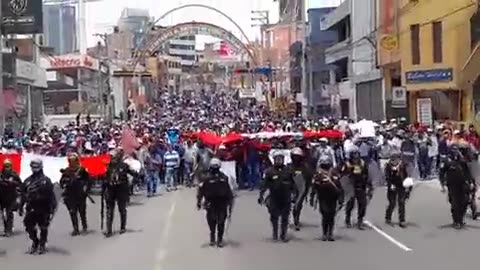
point(435, 45)
point(184, 47)
point(60, 27)
point(340, 56)
point(318, 91)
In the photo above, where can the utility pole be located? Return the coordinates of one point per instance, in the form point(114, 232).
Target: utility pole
point(305, 103)
point(104, 92)
point(2, 97)
point(262, 17)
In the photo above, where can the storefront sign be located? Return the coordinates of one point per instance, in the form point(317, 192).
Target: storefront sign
point(428, 76)
point(72, 61)
point(424, 111)
point(389, 42)
point(22, 16)
point(399, 97)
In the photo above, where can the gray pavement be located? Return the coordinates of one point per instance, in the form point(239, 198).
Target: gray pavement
point(167, 233)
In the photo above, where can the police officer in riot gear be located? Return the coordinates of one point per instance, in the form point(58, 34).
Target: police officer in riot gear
point(278, 180)
point(356, 169)
point(40, 203)
point(215, 188)
point(457, 178)
point(470, 156)
point(75, 185)
point(9, 185)
point(115, 189)
point(327, 189)
point(395, 173)
point(302, 175)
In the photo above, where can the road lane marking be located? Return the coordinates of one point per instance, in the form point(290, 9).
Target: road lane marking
point(387, 236)
point(162, 251)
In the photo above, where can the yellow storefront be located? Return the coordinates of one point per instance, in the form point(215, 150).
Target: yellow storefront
point(434, 43)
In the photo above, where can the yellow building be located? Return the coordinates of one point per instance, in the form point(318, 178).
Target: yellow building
point(435, 44)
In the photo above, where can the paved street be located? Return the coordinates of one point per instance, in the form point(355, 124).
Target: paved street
point(167, 233)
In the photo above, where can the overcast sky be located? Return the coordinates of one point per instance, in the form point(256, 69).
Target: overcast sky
point(103, 15)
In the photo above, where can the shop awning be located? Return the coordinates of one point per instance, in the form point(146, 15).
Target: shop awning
point(471, 68)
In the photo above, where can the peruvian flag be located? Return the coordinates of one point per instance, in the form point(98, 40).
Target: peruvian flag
point(224, 49)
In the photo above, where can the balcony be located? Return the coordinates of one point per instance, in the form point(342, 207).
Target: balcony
point(336, 15)
point(338, 51)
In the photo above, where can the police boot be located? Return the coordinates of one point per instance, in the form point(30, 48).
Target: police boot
point(123, 222)
point(330, 237)
point(348, 221)
point(275, 232)
point(283, 232)
point(74, 218)
point(360, 225)
point(84, 224)
point(43, 240)
point(33, 249)
point(212, 239)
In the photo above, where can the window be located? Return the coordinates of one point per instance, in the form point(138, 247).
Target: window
point(437, 42)
point(415, 42)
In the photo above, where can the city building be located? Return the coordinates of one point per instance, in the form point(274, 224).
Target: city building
point(318, 93)
point(389, 59)
point(435, 45)
point(134, 20)
point(340, 56)
point(358, 77)
point(23, 82)
point(76, 84)
point(60, 27)
point(184, 47)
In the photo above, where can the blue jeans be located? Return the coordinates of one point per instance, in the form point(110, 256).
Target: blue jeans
point(253, 174)
point(152, 181)
point(170, 177)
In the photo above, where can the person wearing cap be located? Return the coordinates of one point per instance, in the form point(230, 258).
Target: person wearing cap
point(9, 185)
point(75, 183)
point(278, 180)
point(39, 203)
point(456, 176)
point(357, 170)
point(214, 187)
point(302, 175)
point(326, 187)
point(395, 174)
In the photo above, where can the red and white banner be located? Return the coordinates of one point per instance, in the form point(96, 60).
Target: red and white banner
point(95, 165)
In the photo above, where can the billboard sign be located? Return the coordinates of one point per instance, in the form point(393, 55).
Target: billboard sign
point(22, 16)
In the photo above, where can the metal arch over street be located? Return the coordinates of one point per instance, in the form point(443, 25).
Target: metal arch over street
point(148, 29)
point(198, 28)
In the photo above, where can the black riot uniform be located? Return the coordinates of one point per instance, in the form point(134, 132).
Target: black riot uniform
point(278, 180)
point(357, 170)
point(457, 178)
point(9, 185)
point(395, 173)
point(470, 156)
point(40, 203)
point(326, 187)
point(115, 189)
point(214, 187)
point(75, 185)
point(302, 176)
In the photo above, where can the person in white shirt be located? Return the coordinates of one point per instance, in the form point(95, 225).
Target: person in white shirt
point(432, 152)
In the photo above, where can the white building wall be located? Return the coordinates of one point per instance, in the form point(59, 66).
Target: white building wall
point(363, 23)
